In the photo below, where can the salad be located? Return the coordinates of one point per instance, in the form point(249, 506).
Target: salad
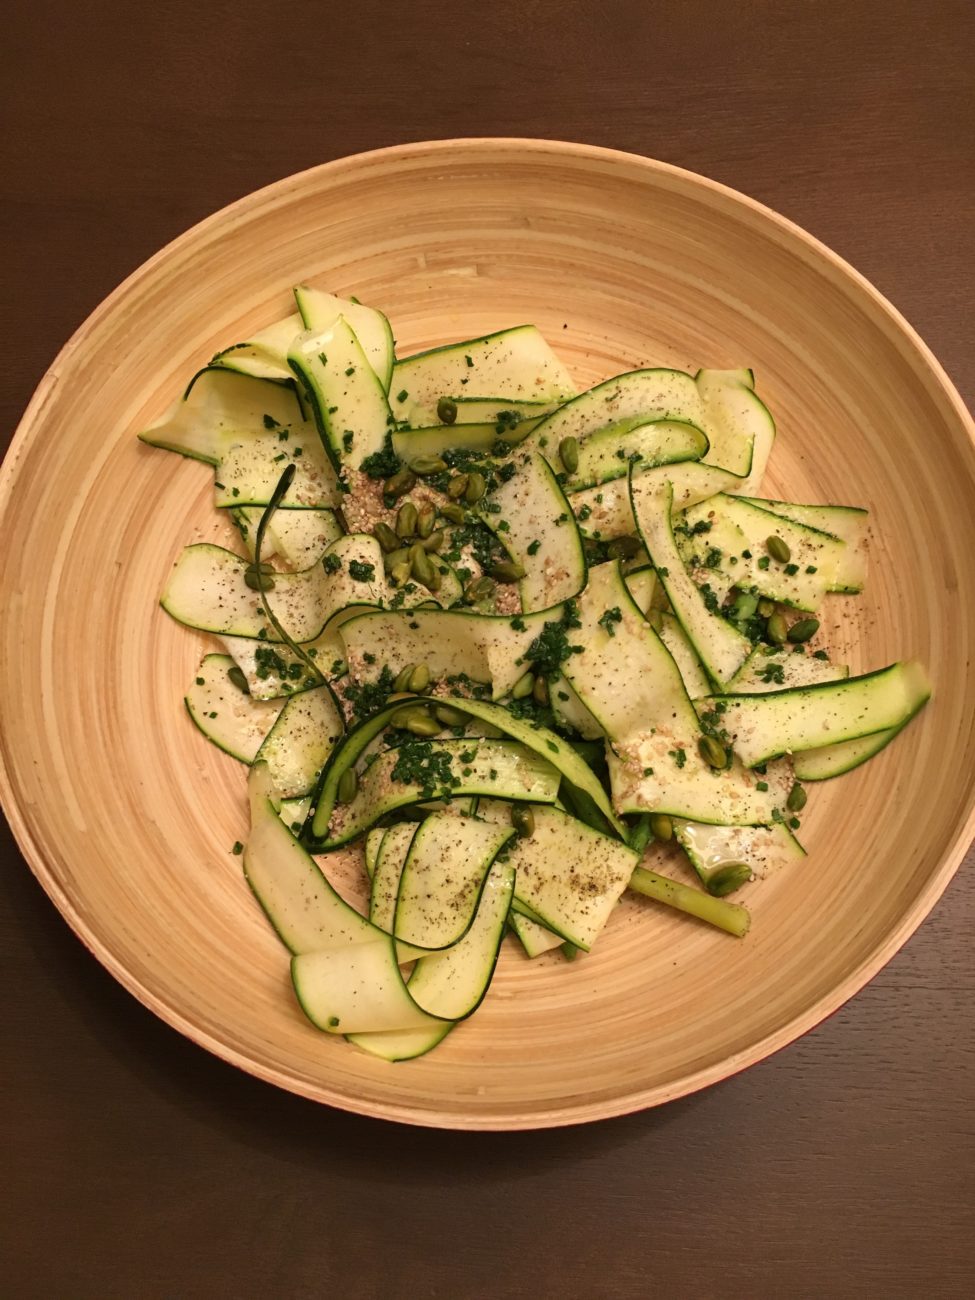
point(505, 640)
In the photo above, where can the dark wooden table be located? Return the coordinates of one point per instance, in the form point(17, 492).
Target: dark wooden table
point(134, 1165)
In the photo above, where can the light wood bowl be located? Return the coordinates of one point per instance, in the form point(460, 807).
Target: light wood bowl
point(127, 816)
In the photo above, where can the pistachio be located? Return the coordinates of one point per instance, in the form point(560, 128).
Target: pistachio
point(479, 589)
point(776, 629)
point(797, 798)
point(449, 716)
point(728, 878)
point(259, 579)
point(523, 820)
point(778, 549)
point(348, 785)
point(426, 517)
point(406, 519)
point(540, 691)
point(385, 536)
point(399, 574)
point(661, 827)
point(476, 487)
point(766, 608)
point(238, 679)
point(424, 465)
point(457, 486)
point(434, 541)
point(713, 753)
point(420, 723)
point(507, 571)
point(803, 630)
point(419, 679)
point(455, 513)
point(569, 454)
point(400, 483)
point(446, 410)
point(402, 682)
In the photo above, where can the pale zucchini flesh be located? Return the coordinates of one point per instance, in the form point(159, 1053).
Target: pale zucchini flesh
point(320, 310)
point(765, 849)
point(605, 511)
point(515, 365)
point(300, 741)
point(535, 938)
point(810, 717)
point(228, 717)
point(720, 647)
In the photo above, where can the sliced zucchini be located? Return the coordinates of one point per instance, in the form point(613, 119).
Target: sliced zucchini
point(356, 989)
point(814, 557)
point(434, 440)
point(720, 647)
point(373, 844)
point(217, 405)
point(390, 859)
point(762, 848)
point(534, 937)
point(739, 425)
point(403, 1044)
point(452, 984)
point(643, 587)
point(234, 721)
point(538, 530)
point(515, 365)
point(294, 813)
point(493, 411)
point(810, 717)
point(545, 745)
point(305, 911)
point(452, 643)
point(570, 875)
point(273, 671)
point(297, 746)
point(606, 511)
point(347, 399)
point(207, 590)
point(440, 884)
point(264, 354)
point(834, 760)
point(770, 667)
point(494, 767)
point(646, 444)
point(299, 538)
point(630, 683)
point(570, 711)
point(848, 523)
point(250, 466)
point(624, 402)
point(320, 310)
point(684, 655)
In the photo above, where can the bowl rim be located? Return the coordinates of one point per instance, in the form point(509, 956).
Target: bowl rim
point(567, 1113)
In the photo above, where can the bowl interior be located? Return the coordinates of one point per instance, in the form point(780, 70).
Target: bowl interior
point(127, 815)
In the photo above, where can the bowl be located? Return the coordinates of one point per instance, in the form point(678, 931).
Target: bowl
point(127, 816)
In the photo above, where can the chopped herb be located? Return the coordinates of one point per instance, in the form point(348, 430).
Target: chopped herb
point(773, 673)
point(200, 681)
point(332, 562)
point(534, 547)
point(280, 456)
point(662, 572)
point(238, 848)
point(361, 572)
point(381, 464)
point(350, 371)
point(270, 422)
point(369, 697)
point(820, 654)
point(678, 755)
point(763, 561)
point(761, 785)
point(368, 657)
point(297, 451)
point(419, 762)
point(218, 485)
point(584, 513)
point(792, 569)
point(518, 624)
point(402, 395)
point(550, 744)
point(609, 617)
point(469, 360)
point(648, 771)
point(323, 358)
point(795, 823)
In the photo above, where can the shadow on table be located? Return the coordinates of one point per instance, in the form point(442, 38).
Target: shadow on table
point(242, 1108)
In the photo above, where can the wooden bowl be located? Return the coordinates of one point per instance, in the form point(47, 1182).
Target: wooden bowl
point(127, 816)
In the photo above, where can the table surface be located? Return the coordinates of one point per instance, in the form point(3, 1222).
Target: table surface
point(135, 1164)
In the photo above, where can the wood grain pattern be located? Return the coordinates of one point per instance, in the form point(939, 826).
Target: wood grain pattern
point(136, 1163)
point(663, 268)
